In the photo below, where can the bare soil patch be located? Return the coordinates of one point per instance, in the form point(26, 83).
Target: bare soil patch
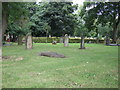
point(14, 58)
point(52, 54)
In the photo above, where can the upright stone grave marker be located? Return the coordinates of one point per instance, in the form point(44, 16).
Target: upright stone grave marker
point(107, 40)
point(29, 42)
point(66, 40)
point(61, 39)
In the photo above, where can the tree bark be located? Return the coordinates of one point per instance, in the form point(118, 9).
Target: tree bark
point(97, 39)
point(82, 45)
point(115, 32)
point(20, 40)
point(46, 37)
point(4, 22)
point(10, 36)
point(14, 38)
point(115, 28)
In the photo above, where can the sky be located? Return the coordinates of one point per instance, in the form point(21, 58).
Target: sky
point(80, 2)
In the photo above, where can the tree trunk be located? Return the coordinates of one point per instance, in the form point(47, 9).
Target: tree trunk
point(20, 40)
point(115, 32)
point(46, 37)
point(4, 22)
point(14, 38)
point(1, 33)
point(97, 39)
point(10, 37)
point(82, 45)
point(115, 29)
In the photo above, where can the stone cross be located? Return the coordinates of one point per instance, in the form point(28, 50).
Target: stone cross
point(66, 40)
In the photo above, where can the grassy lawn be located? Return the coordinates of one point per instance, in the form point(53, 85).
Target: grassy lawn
point(95, 67)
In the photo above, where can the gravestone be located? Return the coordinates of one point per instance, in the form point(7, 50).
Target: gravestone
point(29, 42)
point(61, 39)
point(66, 40)
point(118, 41)
point(107, 41)
point(54, 42)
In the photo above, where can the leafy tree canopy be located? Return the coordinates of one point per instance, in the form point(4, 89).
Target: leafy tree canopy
point(58, 15)
point(102, 12)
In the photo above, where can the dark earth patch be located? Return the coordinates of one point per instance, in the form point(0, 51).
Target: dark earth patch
point(6, 57)
point(12, 58)
point(52, 54)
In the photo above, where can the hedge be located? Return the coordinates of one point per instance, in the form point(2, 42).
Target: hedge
point(71, 40)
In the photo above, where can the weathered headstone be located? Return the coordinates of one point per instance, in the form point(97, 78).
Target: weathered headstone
point(118, 41)
point(107, 40)
point(54, 42)
point(29, 42)
point(61, 39)
point(66, 40)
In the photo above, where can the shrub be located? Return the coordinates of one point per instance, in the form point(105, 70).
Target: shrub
point(57, 39)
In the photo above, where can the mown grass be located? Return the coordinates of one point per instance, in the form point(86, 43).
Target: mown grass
point(94, 67)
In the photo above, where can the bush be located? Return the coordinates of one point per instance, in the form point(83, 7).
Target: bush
point(71, 40)
point(44, 39)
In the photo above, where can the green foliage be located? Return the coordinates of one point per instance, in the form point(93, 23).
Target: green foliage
point(104, 30)
point(92, 33)
point(57, 15)
point(18, 29)
point(18, 20)
point(81, 30)
point(15, 9)
point(14, 29)
point(71, 40)
point(95, 13)
point(43, 39)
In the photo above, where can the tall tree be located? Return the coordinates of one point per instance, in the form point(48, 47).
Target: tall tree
point(81, 31)
point(105, 31)
point(13, 10)
point(102, 12)
point(58, 15)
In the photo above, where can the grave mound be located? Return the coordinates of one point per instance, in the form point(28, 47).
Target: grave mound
point(51, 54)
